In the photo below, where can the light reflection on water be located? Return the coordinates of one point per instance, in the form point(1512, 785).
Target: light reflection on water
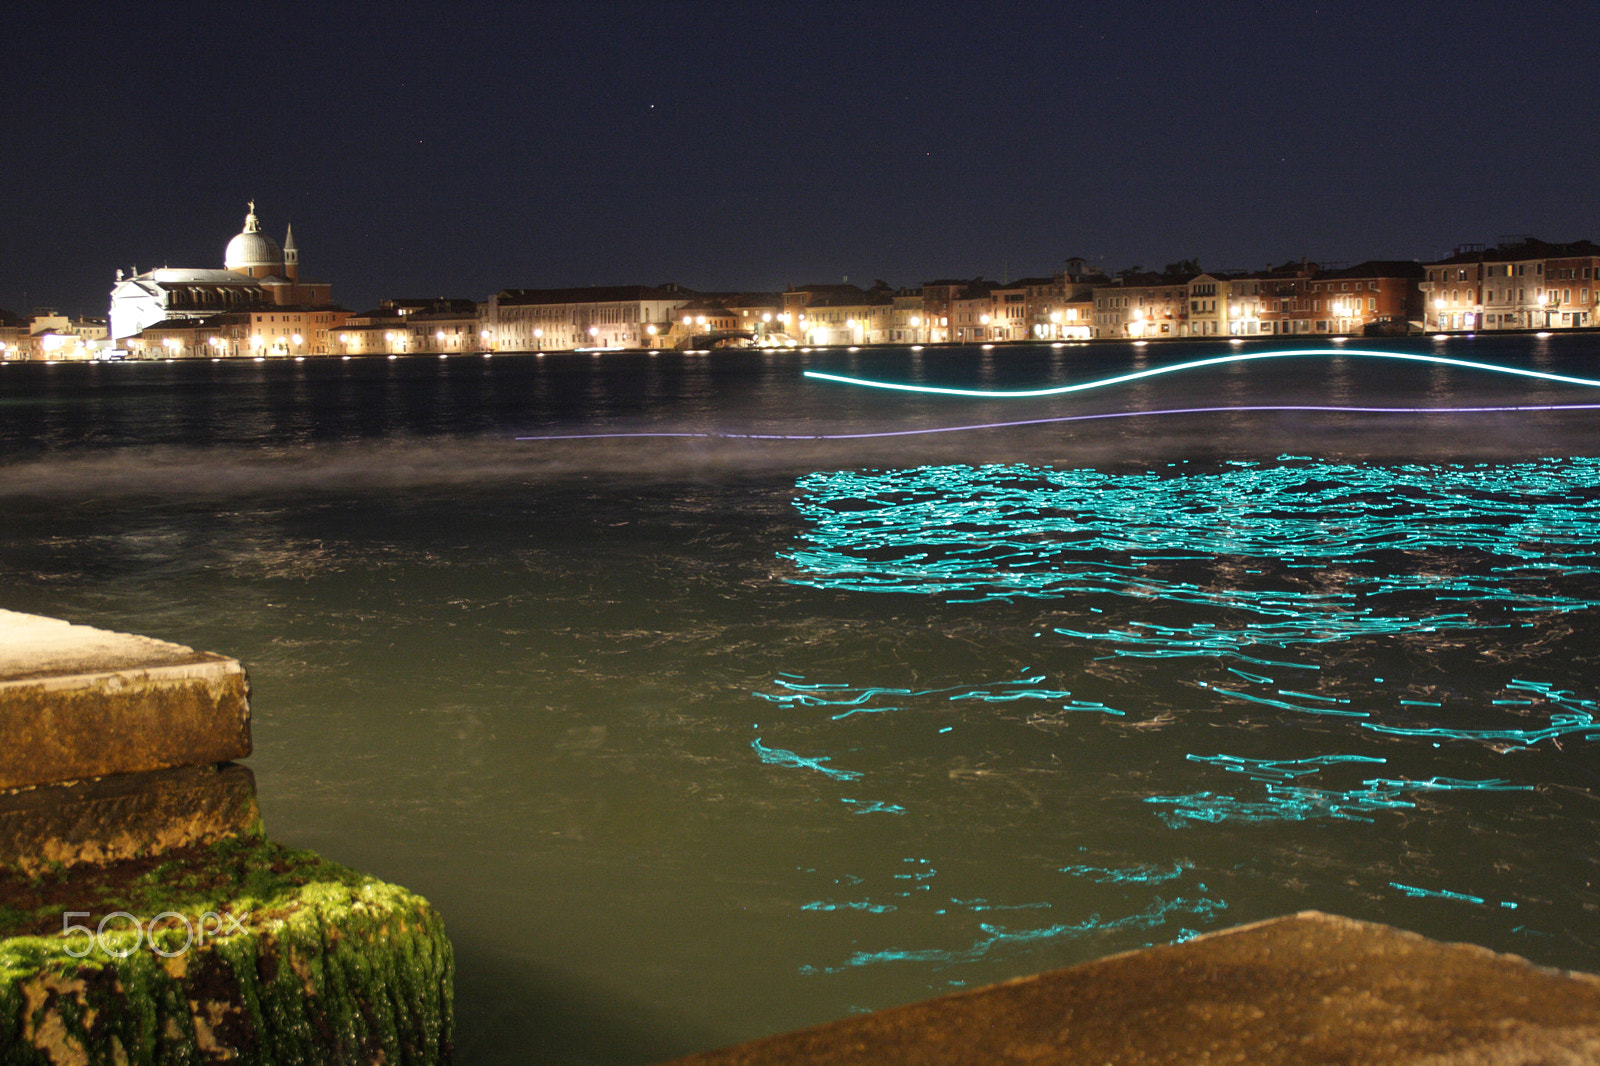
point(699, 741)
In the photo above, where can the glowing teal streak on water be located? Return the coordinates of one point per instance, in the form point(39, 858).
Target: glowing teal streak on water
point(1560, 725)
point(1286, 705)
point(1432, 893)
point(837, 694)
point(789, 760)
point(1128, 875)
point(1195, 364)
point(1576, 718)
point(1286, 802)
point(998, 938)
point(1006, 532)
point(1280, 769)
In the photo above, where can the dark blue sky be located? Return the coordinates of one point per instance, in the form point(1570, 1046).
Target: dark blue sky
point(455, 149)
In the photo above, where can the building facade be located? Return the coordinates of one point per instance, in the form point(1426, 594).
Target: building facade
point(257, 274)
point(622, 316)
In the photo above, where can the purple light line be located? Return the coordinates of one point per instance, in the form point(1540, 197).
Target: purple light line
point(1068, 418)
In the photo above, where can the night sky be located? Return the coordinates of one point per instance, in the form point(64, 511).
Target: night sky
point(456, 149)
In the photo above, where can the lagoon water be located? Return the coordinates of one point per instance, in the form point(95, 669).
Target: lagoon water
point(707, 700)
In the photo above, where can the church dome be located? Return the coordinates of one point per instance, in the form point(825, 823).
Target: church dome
point(253, 252)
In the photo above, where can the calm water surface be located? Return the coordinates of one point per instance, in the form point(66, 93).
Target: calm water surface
point(696, 738)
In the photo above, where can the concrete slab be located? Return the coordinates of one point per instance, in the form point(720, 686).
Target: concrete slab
point(126, 816)
point(1296, 991)
point(79, 702)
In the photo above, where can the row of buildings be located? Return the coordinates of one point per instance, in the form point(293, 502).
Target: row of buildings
point(258, 305)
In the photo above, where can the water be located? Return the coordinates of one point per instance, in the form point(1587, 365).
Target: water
point(698, 738)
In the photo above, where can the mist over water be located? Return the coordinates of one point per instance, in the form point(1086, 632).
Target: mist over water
point(695, 738)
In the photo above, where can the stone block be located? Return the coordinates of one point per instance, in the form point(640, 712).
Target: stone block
point(78, 702)
point(239, 952)
point(126, 816)
point(1306, 990)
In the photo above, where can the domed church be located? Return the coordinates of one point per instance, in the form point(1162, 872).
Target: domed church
point(257, 273)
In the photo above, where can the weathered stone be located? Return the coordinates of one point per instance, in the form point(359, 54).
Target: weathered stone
point(126, 816)
point(78, 702)
point(300, 961)
point(1307, 989)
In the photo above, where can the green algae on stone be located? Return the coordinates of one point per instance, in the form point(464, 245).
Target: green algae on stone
point(244, 951)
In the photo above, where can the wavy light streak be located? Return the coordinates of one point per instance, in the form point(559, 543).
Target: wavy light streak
point(1195, 364)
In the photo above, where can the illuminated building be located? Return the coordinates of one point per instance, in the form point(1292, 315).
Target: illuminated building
point(1522, 283)
point(618, 316)
point(1209, 302)
point(263, 332)
point(13, 328)
point(842, 314)
point(971, 312)
point(258, 273)
point(1148, 305)
point(938, 297)
point(907, 318)
point(1377, 291)
point(1009, 312)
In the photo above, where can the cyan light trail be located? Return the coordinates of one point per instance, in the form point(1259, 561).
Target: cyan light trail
point(1195, 364)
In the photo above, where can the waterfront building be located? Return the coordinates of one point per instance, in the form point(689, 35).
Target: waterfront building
point(1285, 298)
point(168, 294)
point(703, 322)
point(52, 336)
point(1009, 315)
point(1378, 292)
point(907, 320)
point(827, 314)
point(938, 298)
point(971, 312)
point(1571, 278)
point(1145, 306)
point(13, 328)
point(620, 316)
point(257, 273)
point(1521, 283)
point(383, 330)
point(757, 315)
point(1076, 315)
point(263, 333)
point(445, 327)
point(414, 327)
point(1071, 313)
point(1208, 299)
